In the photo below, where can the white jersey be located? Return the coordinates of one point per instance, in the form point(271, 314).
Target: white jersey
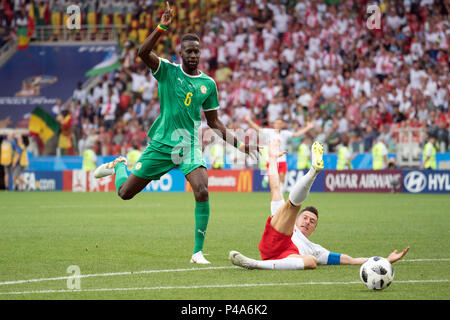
point(283, 135)
point(307, 247)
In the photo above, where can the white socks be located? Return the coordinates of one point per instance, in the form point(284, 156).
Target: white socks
point(300, 190)
point(281, 264)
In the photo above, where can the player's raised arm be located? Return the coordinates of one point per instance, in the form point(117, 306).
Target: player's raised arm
point(214, 122)
point(304, 130)
point(145, 50)
point(274, 153)
point(251, 123)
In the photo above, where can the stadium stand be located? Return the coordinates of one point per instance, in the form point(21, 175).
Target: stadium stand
point(295, 60)
point(44, 74)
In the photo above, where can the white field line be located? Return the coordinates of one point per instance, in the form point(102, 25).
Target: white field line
point(420, 260)
point(76, 206)
point(237, 285)
point(126, 273)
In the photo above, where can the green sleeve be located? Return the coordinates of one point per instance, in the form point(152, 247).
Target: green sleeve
point(212, 102)
point(163, 69)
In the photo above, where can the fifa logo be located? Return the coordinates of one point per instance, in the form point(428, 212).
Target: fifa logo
point(245, 181)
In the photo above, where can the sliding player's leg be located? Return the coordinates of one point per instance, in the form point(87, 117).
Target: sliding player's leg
point(292, 262)
point(301, 189)
point(284, 220)
point(276, 247)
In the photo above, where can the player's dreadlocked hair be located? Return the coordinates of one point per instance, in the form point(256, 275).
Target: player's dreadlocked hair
point(190, 37)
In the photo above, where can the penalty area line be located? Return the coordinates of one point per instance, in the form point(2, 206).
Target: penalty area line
point(243, 285)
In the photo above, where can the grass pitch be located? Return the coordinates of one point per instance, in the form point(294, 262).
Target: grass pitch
point(140, 249)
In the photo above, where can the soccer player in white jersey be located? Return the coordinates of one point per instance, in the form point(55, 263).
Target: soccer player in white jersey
point(285, 244)
point(277, 132)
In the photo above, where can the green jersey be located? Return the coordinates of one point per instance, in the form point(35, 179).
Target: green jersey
point(181, 97)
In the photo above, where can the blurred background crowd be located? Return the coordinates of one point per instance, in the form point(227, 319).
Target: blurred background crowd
point(299, 61)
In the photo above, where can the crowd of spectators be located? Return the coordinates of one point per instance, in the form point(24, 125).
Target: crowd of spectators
point(300, 61)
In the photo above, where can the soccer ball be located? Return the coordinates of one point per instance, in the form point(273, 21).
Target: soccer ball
point(377, 273)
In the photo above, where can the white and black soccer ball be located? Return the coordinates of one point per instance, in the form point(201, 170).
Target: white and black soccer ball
point(377, 273)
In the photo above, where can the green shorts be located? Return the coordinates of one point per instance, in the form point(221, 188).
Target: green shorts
point(158, 159)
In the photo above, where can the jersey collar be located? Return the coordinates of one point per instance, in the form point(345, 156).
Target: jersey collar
point(197, 76)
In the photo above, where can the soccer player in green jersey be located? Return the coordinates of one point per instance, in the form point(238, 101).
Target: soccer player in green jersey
point(183, 92)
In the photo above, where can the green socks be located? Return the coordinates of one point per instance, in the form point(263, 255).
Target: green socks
point(201, 208)
point(121, 174)
point(201, 223)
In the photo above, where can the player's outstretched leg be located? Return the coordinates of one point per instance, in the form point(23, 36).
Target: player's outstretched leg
point(238, 259)
point(301, 189)
point(127, 186)
point(293, 262)
point(117, 167)
point(317, 156)
point(107, 169)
